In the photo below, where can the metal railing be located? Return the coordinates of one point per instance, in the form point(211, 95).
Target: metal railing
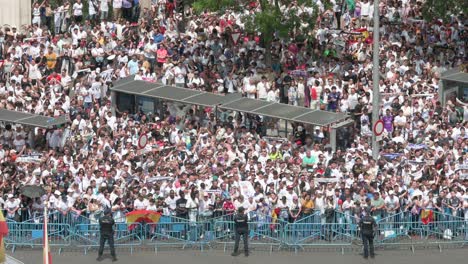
point(338, 230)
point(32, 234)
point(86, 236)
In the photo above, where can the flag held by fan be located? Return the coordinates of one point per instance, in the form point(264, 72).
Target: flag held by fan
point(427, 216)
point(142, 216)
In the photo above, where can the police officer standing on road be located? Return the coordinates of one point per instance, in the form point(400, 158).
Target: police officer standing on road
point(368, 227)
point(106, 225)
point(242, 229)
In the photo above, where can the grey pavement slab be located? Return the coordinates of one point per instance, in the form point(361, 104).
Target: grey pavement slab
point(174, 256)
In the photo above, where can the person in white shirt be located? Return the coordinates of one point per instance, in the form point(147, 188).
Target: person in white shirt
point(104, 8)
point(283, 206)
point(141, 203)
point(400, 120)
point(262, 89)
point(152, 205)
point(192, 206)
point(392, 203)
point(171, 202)
point(179, 74)
point(117, 9)
point(206, 206)
point(320, 204)
point(78, 11)
point(12, 206)
point(366, 12)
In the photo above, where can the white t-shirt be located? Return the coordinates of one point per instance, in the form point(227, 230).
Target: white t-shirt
point(117, 4)
point(78, 9)
point(140, 205)
point(180, 73)
point(390, 203)
point(262, 89)
point(104, 5)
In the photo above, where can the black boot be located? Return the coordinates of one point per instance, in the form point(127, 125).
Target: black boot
point(235, 254)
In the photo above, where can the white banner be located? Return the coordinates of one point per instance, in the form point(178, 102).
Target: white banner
point(246, 189)
point(29, 158)
point(159, 178)
point(212, 191)
point(326, 180)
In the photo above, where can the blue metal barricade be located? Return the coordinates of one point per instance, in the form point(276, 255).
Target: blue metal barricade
point(173, 231)
point(70, 218)
point(302, 235)
point(260, 234)
point(313, 218)
point(87, 236)
point(32, 234)
point(337, 230)
point(407, 228)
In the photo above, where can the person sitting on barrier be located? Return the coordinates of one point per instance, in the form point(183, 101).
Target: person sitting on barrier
point(368, 227)
point(106, 226)
point(242, 229)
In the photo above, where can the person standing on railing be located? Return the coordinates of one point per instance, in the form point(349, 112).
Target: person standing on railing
point(106, 227)
point(242, 229)
point(368, 227)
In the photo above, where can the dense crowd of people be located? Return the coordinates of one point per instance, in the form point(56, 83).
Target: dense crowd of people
point(196, 165)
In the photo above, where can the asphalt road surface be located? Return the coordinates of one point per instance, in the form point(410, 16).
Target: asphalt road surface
point(174, 256)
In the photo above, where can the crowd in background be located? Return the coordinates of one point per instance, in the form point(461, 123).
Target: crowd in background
point(199, 165)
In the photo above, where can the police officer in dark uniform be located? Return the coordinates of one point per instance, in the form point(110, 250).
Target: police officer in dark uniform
point(368, 227)
point(106, 225)
point(242, 229)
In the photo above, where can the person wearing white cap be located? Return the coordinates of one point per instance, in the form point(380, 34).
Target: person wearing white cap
point(12, 206)
point(392, 203)
point(61, 205)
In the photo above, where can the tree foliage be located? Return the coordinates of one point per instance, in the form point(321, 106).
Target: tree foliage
point(443, 9)
point(272, 20)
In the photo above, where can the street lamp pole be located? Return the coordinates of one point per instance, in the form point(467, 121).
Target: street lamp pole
point(375, 79)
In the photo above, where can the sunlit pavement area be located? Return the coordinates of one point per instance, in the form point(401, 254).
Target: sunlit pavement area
point(176, 256)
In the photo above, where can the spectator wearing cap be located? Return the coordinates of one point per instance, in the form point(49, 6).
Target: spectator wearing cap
point(12, 205)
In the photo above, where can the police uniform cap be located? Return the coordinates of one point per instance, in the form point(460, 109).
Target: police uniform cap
point(107, 211)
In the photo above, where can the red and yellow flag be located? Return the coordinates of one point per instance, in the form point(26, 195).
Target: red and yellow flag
point(274, 217)
point(3, 233)
point(142, 216)
point(427, 216)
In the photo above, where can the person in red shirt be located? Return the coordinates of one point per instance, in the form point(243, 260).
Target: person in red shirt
point(161, 55)
point(228, 206)
point(54, 78)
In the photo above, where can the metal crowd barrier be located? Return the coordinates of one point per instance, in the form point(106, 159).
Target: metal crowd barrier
point(406, 228)
point(260, 234)
point(339, 230)
point(32, 234)
point(173, 231)
point(87, 236)
point(70, 218)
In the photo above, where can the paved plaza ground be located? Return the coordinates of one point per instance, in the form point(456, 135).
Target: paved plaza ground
point(173, 256)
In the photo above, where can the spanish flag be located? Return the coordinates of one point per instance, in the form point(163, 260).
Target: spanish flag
point(427, 216)
point(3, 233)
point(142, 216)
point(274, 217)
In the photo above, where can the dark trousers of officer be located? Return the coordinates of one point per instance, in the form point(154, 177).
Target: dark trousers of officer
point(368, 242)
point(244, 234)
point(102, 241)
